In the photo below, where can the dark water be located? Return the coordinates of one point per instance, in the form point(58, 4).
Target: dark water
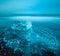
point(44, 34)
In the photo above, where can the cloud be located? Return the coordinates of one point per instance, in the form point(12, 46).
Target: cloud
point(29, 7)
point(17, 4)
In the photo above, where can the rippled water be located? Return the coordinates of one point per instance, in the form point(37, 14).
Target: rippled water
point(42, 35)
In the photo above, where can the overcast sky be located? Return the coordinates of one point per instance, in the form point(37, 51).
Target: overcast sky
point(29, 6)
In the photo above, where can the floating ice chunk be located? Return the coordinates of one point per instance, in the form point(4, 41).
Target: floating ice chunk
point(29, 25)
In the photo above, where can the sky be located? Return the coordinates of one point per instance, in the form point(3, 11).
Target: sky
point(29, 7)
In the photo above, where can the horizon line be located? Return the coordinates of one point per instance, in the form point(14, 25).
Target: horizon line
point(12, 15)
